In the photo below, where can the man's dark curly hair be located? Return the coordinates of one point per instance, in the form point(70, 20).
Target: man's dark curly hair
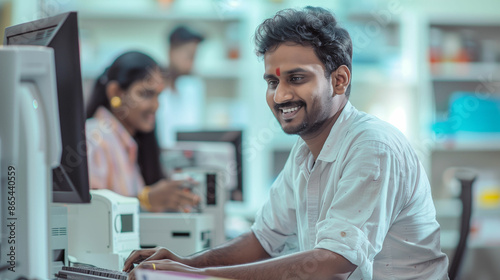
point(311, 26)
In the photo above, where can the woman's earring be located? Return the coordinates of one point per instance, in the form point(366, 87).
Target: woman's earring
point(116, 102)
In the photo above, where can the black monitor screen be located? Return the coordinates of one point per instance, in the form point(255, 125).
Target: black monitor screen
point(231, 136)
point(70, 179)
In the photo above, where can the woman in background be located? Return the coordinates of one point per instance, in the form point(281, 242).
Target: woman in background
point(123, 153)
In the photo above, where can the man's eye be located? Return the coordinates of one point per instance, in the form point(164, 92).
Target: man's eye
point(296, 78)
point(272, 83)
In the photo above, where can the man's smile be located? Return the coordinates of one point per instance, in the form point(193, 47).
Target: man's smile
point(288, 113)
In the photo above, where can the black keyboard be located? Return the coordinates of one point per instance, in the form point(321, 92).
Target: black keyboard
point(90, 273)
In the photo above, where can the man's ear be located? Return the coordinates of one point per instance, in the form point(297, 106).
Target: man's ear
point(341, 79)
point(113, 89)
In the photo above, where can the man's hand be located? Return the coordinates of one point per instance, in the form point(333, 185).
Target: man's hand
point(159, 253)
point(166, 265)
point(227, 254)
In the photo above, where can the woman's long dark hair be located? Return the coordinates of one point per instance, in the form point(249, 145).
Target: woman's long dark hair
point(126, 69)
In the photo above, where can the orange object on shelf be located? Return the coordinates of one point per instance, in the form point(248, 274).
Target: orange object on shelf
point(435, 55)
point(233, 53)
point(462, 56)
point(165, 3)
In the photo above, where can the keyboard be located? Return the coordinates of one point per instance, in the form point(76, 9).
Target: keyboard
point(90, 273)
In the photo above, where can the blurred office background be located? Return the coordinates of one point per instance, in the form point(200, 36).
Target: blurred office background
point(431, 68)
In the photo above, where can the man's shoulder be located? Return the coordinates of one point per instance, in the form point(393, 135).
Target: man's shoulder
point(369, 132)
point(366, 127)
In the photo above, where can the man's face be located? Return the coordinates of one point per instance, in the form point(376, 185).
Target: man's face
point(182, 57)
point(298, 93)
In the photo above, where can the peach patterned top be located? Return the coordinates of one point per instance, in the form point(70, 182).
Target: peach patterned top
point(112, 155)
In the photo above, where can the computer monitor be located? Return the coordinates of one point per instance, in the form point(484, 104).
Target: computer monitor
point(230, 136)
point(70, 179)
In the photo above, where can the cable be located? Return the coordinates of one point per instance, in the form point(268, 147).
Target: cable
point(466, 179)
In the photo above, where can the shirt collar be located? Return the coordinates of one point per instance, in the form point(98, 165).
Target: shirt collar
point(337, 133)
point(107, 121)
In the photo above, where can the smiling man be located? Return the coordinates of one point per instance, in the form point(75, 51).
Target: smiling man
point(352, 201)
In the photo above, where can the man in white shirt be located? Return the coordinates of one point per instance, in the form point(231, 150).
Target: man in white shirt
point(352, 201)
point(182, 103)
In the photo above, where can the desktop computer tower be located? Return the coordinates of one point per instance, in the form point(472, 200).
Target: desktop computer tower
point(213, 193)
point(31, 147)
point(59, 237)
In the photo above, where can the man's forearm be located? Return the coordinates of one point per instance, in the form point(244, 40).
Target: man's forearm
point(241, 250)
point(314, 264)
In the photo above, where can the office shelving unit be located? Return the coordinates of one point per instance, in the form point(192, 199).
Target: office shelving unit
point(153, 24)
point(460, 54)
point(144, 26)
point(479, 73)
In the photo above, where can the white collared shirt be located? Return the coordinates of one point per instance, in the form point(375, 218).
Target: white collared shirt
point(366, 197)
point(180, 111)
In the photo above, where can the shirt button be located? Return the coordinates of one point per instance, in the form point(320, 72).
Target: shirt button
point(343, 234)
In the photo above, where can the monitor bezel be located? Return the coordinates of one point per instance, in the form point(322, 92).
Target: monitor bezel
point(69, 20)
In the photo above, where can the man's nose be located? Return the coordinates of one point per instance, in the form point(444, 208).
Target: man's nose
point(282, 94)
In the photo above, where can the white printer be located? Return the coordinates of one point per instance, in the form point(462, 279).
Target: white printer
point(104, 232)
point(182, 233)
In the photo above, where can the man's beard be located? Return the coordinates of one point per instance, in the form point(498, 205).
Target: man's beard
point(305, 128)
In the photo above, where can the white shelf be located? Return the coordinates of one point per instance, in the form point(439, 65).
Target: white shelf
point(467, 146)
point(368, 16)
point(375, 73)
point(452, 207)
point(471, 72)
point(229, 69)
point(469, 21)
point(471, 142)
point(149, 14)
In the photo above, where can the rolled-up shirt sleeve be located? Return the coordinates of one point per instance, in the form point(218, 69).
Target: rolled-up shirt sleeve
point(368, 197)
point(276, 224)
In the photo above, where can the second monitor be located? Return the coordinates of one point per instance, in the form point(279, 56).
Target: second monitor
point(232, 169)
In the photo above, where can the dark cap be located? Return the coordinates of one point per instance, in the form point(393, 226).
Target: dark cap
point(182, 35)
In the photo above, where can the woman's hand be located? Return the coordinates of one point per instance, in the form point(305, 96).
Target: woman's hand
point(172, 195)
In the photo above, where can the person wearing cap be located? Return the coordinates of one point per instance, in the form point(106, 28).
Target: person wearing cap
point(183, 100)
